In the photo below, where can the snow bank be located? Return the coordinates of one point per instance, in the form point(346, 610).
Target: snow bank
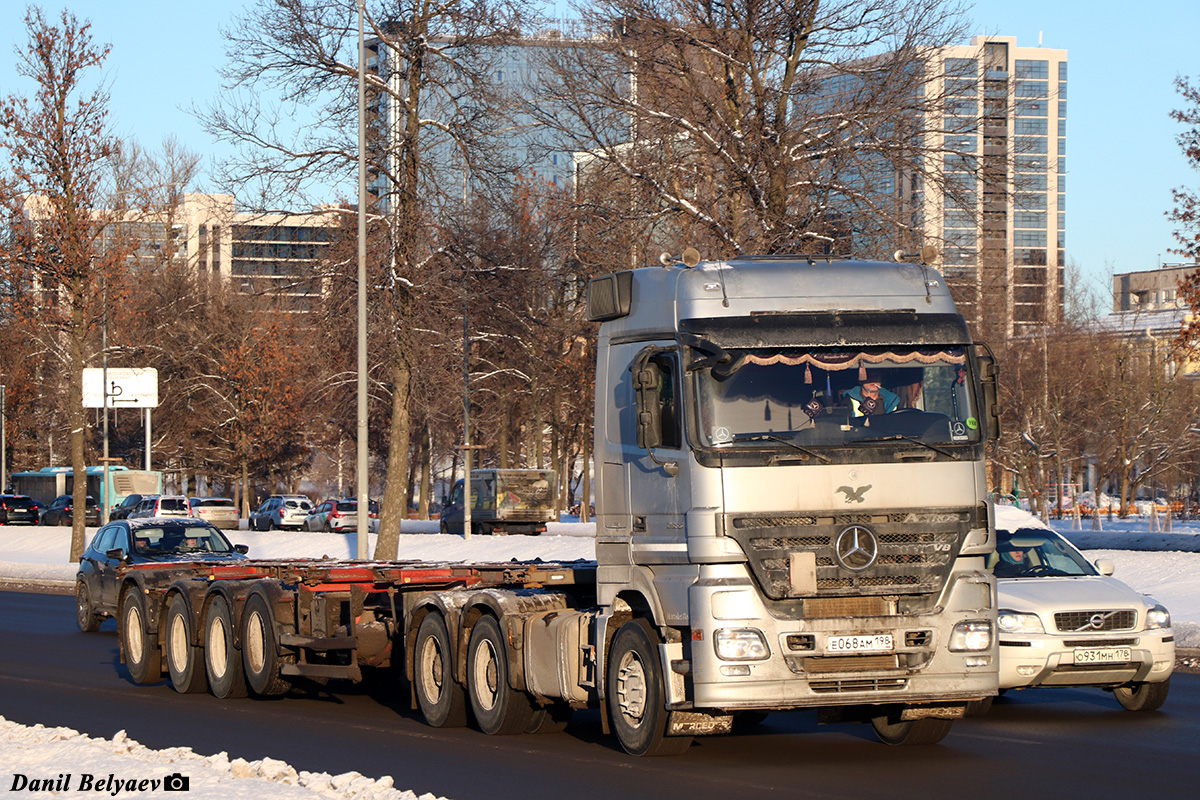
point(120, 767)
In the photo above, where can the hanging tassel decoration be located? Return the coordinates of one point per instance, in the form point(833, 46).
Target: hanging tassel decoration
point(862, 372)
point(807, 374)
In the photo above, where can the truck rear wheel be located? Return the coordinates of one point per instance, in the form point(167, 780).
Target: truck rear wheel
point(892, 730)
point(1142, 696)
point(184, 662)
point(499, 708)
point(142, 655)
point(440, 698)
point(260, 660)
point(635, 696)
point(222, 661)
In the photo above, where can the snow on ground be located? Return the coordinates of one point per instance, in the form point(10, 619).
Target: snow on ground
point(1165, 565)
point(36, 757)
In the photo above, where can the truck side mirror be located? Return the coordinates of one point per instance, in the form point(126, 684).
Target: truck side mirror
point(649, 420)
point(985, 366)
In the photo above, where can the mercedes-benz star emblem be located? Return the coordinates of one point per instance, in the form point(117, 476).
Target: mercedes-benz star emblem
point(856, 548)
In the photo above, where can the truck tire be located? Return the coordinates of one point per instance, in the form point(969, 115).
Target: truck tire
point(635, 697)
point(222, 659)
point(260, 660)
point(499, 709)
point(440, 698)
point(1142, 696)
point(184, 662)
point(85, 614)
point(892, 730)
point(142, 655)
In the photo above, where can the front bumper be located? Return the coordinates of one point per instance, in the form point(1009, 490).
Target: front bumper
point(1028, 660)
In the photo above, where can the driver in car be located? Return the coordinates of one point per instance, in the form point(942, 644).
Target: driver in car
point(869, 397)
point(1012, 563)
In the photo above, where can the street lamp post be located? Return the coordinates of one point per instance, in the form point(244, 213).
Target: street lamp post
point(363, 529)
point(3, 439)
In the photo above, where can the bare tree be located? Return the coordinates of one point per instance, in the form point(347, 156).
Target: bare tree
point(58, 146)
point(431, 88)
point(757, 127)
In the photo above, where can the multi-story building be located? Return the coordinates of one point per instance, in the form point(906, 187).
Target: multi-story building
point(1005, 131)
point(1150, 290)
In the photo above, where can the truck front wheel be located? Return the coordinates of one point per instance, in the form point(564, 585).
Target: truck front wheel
point(498, 708)
point(892, 730)
point(142, 655)
point(635, 694)
point(440, 697)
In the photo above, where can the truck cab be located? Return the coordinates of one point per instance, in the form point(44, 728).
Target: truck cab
point(791, 490)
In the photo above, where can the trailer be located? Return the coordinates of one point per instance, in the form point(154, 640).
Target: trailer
point(791, 514)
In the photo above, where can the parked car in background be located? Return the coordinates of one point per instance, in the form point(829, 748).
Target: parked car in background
point(280, 511)
point(140, 541)
point(60, 512)
point(1065, 621)
point(127, 506)
point(220, 511)
point(340, 516)
point(17, 509)
point(162, 505)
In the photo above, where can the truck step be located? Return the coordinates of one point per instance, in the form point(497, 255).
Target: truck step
point(351, 672)
point(318, 642)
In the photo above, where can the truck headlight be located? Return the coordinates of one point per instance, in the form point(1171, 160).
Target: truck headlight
point(1158, 617)
point(741, 644)
point(1015, 622)
point(971, 636)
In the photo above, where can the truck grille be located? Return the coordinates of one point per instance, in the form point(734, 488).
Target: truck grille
point(915, 549)
point(1108, 620)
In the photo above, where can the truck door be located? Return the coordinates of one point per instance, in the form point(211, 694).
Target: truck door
point(659, 478)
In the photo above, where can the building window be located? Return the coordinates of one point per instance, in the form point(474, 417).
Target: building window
point(1062, 110)
point(1029, 238)
point(1029, 202)
point(1031, 108)
point(1038, 70)
point(1029, 163)
point(1032, 89)
point(1030, 127)
point(962, 87)
point(1031, 144)
point(1029, 219)
point(962, 144)
point(1062, 145)
point(1062, 70)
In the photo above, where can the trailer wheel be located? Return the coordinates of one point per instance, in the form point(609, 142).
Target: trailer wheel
point(892, 730)
point(222, 661)
point(142, 656)
point(499, 708)
point(636, 703)
point(260, 660)
point(184, 662)
point(441, 699)
point(89, 621)
point(1142, 696)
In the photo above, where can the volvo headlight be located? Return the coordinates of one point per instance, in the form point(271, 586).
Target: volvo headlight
point(1158, 617)
point(741, 644)
point(1015, 622)
point(971, 636)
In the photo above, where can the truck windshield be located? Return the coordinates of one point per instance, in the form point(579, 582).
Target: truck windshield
point(837, 397)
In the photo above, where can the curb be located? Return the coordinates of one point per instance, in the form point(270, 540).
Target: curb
point(37, 586)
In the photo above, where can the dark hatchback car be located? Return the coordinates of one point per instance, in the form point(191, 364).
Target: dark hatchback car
point(60, 512)
point(141, 541)
point(126, 506)
point(17, 509)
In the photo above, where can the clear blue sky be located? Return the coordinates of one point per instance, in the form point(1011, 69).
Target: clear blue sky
point(1122, 156)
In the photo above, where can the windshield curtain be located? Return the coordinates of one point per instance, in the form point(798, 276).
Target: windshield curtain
point(835, 397)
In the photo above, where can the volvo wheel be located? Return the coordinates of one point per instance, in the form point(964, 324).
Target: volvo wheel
point(89, 621)
point(1142, 696)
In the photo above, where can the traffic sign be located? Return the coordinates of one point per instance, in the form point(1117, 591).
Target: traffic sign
point(127, 388)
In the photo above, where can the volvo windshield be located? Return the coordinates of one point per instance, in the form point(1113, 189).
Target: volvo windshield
point(827, 397)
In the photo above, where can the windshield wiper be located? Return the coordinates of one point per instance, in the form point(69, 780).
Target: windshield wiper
point(902, 437)
point(770, 437)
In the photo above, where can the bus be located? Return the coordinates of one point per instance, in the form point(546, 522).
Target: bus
point(48, 483)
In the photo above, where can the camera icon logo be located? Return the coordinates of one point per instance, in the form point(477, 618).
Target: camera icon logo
point(176, 782)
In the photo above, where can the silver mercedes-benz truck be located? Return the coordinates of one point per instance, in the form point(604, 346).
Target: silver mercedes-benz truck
point(791, 498)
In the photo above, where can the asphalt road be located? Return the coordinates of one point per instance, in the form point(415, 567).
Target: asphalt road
point(1064, 743)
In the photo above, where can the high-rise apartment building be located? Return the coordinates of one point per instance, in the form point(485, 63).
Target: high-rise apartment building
point(1005, 131)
